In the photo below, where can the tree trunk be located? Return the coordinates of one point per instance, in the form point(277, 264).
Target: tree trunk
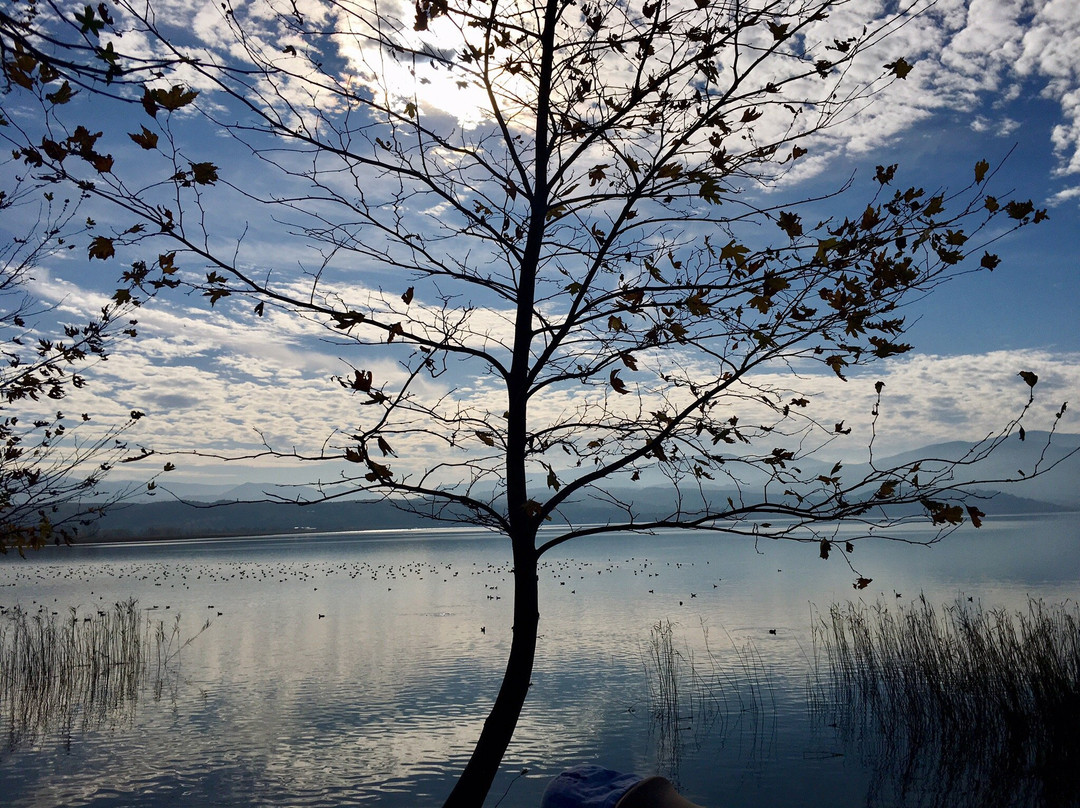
point(475, 782)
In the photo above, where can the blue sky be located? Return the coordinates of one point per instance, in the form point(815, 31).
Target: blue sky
point(991, 80)
point(1033, 301)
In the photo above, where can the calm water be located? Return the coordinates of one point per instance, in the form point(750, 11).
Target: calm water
point(348, 670)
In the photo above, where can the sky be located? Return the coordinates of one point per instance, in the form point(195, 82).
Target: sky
point(992, 80)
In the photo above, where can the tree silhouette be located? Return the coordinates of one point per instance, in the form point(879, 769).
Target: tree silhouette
point(563, 222)
point(51, 470)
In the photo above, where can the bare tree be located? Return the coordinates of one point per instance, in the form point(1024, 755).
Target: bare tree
point(51, 467)
point(579, 240)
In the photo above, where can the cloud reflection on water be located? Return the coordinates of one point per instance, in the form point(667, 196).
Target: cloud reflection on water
point(382, 699)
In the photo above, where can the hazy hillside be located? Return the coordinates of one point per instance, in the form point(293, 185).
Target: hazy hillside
point(173, 519)
point(1061, 486)
point(244, 510)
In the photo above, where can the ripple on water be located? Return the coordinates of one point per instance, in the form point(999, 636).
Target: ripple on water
point(381, 699)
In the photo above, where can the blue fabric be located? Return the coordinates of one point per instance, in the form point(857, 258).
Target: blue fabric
point(588, 787)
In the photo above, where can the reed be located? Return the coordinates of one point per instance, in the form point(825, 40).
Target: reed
point(63, 674)
point(964, 705)
point(705, 694)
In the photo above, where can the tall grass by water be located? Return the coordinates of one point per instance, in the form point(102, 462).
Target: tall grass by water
point(959, 705)
point(694, 695)
point(66, 673)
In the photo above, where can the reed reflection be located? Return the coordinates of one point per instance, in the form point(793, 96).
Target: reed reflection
point(706, 696)
point(962, 706)
point(62, 675)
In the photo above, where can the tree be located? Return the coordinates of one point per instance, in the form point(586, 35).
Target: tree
point(50, 470)
point(563, 204)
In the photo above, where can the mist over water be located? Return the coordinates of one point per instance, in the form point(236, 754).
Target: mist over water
point(355, 669)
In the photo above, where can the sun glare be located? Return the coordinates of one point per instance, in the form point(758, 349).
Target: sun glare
point(404, 79)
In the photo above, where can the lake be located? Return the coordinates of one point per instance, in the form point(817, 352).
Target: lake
point(354, 669)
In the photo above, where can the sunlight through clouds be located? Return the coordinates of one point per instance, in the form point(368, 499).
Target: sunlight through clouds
point(964, 53)
point(400, 79)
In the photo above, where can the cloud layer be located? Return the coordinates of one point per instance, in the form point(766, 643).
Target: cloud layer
point(222, 383)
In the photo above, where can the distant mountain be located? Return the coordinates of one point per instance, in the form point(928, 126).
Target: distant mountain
point(264, 508)
point(178, 520)
point(204, 492)
point(1061, 486)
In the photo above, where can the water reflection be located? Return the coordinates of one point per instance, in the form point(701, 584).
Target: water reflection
point(72, 674)
point(698, 697)
point(381, 698)
point(958, 706)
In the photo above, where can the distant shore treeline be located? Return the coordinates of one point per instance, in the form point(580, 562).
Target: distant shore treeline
point(182, 520)
point(174, 519)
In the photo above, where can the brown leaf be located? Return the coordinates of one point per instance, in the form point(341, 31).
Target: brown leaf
point(885, 174)
point(145, 138)
point(617, 384)
point(361, 381)
point(552, 480)
point(1019, 210)
point(102, 163)
point(204, 173)
point(886, 491)
point(102, 248)
point(790, 224)
point(61, 95)
point(779, 31)
point(900, 68)
point(378, 472)
point(836, 363)
point(174, 98)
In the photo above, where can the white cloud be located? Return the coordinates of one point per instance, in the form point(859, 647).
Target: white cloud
point(209, 378)
point(218, 401)
point(1001, 127)
point(975, 57)
point(1065, 195)
point(1050, 45)
point(929, 399)
point(968, 57)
